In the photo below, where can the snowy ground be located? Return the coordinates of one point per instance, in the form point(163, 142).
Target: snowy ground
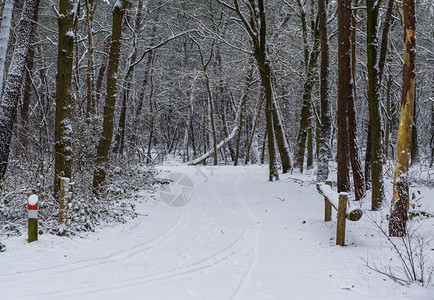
point(240, 237)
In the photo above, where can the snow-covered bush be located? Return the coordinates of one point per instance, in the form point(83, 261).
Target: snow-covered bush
point(116, 204)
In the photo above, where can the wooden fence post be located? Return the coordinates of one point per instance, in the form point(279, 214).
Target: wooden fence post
point(327, 205)
point(342, 210)
point(63, 204)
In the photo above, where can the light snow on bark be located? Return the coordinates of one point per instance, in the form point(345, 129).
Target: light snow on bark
point(5, 30)
point(9, 100)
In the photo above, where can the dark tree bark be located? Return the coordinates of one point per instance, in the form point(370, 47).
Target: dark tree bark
point(324, 148)
point(356, 165)
point(345, 91)
point(307, 102)
point(63, 126)
point(149, 60)
point(120, 136)
point(107, 132)
point(255, 25)
point(385, 39)
point(28, 86)
point(102, 70)
point(282, 143)
point(11, 93)
point(90, 92)
point(368, 160)
point(374, 105)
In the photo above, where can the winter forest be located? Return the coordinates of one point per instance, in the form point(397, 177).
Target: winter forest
point(217, 147)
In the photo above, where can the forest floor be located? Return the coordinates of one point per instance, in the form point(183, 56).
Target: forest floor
point(238, 237)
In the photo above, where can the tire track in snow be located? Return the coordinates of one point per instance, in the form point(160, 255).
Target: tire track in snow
point(161, 239)
point(249, 227)
point(254, 224)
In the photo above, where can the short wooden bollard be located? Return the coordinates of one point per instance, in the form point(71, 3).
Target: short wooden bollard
point(32, 211)
point(341, 219)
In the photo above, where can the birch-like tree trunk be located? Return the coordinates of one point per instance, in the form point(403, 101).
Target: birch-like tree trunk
point(10, 97)
point(5, 30)
point(400, 201)
point(324, 148)
point(110, 102)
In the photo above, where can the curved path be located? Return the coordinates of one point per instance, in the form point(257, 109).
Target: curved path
point(240, 237)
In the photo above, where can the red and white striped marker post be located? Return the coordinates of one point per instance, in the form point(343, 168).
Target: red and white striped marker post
point(33, 218)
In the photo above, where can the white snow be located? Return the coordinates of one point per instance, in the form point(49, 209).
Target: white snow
point(240, 237)
point(33, 199)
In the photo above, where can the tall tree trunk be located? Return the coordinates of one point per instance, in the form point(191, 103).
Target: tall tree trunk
point(224, 101)
point(149, 60)
point(432, 126)
point(254, 135)
point(382, 59)
point(282, 143)
point(345, 91)
point(324, 149)
point(256, 28)
point(309, 161)
point(5, 30)
point(205, 65)
point(368, 159)
point(28, 86)
point(374, 105)
point(109, 107)
point(356, 165)
point(63, 126)
point(90, 92)
point(152, 122)
point(264, 143)
point(120, 136)
point(241, 118)
point(385, 39)
point(398, 211)
point(10, 97)
point(307, 103)
point(388, 116)
point(102, 70)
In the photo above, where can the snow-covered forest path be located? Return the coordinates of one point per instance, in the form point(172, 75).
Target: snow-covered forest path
point(240, 237)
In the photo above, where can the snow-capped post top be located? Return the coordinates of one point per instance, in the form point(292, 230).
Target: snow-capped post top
point(32, 212)
point(33, 202)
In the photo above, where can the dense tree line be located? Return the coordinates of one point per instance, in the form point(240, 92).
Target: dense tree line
point(93, 85)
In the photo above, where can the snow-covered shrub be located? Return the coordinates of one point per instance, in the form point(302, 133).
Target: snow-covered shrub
point(86, 212)
point(2, 247)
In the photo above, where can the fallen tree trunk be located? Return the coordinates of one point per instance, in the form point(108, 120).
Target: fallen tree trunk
point(219, 146)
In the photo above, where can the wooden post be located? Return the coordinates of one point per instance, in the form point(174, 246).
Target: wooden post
point(328, 206)
point(342, 210)
point(32, 218)
point(63, 204)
